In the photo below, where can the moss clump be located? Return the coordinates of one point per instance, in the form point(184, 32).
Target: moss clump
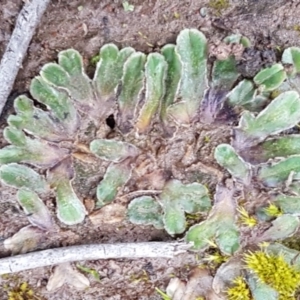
point(94, 60)
point(273, 211)
point(292, 242)
point(239, 291)
point(275, 94)
point(218, 5)
point(274, 271)
point(296, 27)
point(22, 292)
point(245, 218)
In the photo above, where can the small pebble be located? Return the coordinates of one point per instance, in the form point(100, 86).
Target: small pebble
point(203, 12)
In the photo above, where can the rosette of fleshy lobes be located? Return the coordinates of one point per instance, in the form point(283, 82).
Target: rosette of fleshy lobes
point(134, 130)
point(59, 140)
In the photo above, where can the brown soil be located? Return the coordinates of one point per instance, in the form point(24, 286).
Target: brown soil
point(86, 26)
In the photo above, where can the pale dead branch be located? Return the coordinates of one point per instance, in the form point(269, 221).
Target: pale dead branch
point(11, 61)
point(91, 252)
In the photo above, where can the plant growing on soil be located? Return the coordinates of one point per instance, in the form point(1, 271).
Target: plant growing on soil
point(141, 128)
point(127, 6)
point(71, 127)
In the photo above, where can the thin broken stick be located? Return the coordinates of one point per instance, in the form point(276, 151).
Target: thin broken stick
point(12, 59)
point(91, 252)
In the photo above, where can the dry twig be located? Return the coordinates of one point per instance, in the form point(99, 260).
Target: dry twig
point(90, 252)
point(11, 61)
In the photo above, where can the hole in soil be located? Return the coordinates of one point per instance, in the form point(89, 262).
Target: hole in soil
point(40, 105)
point(110, 121)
